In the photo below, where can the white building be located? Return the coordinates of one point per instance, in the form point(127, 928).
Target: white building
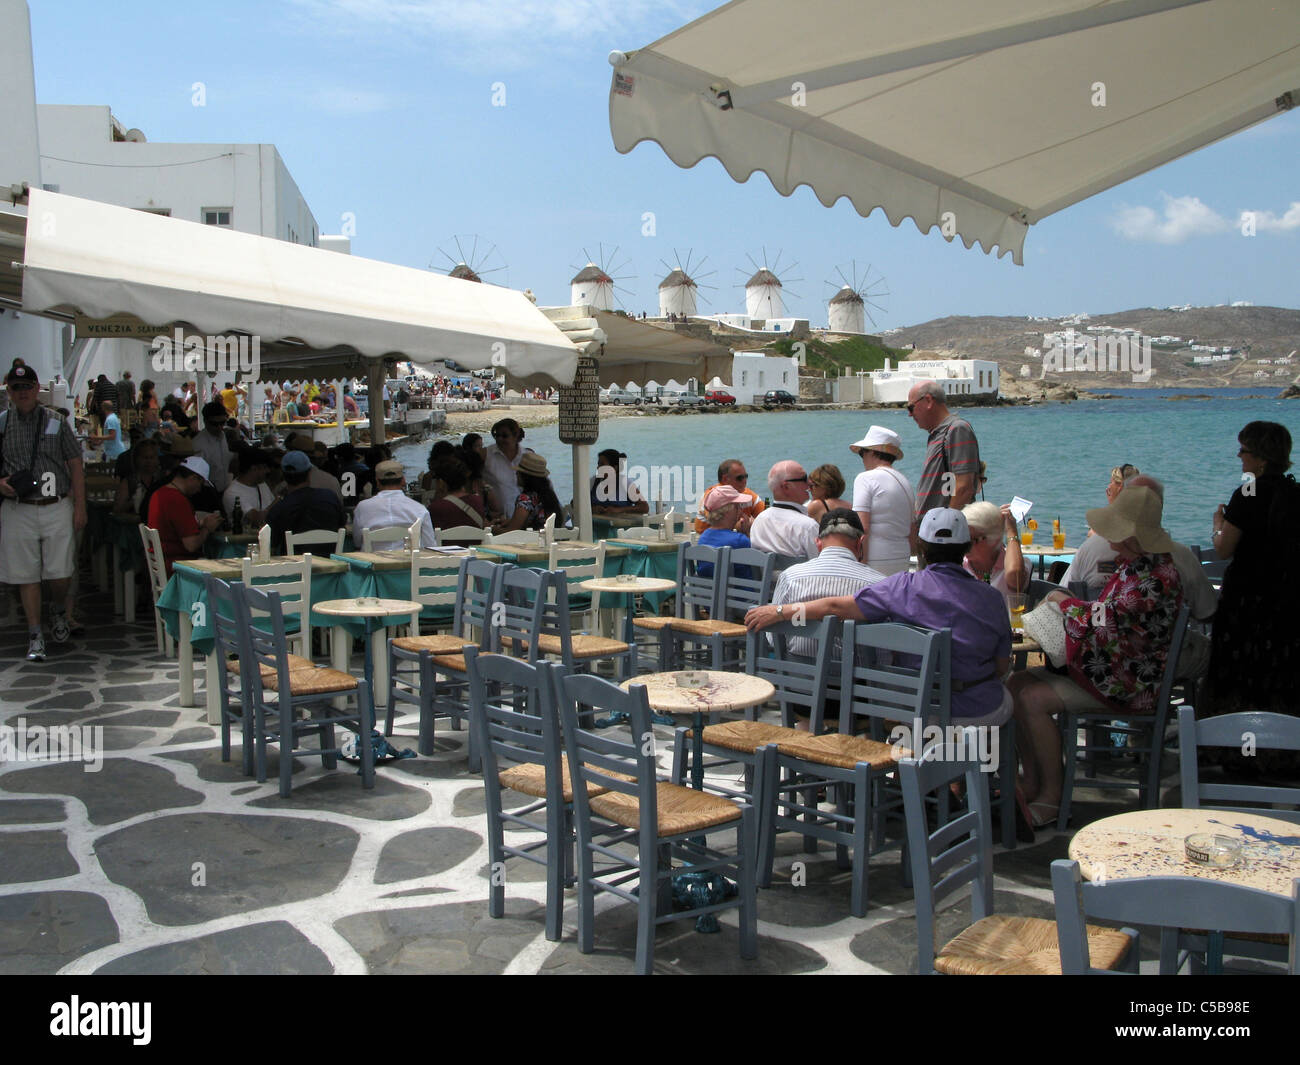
point(959, 377)
point(677, 294)
point(763, 297)
point(846, 313)
point(592, 287)
point(745, 323)
point(753, 373)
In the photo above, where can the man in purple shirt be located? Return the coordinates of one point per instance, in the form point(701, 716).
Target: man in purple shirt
point(941, 596)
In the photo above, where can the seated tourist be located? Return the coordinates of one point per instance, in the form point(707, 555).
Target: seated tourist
point(180, 533)
point(536, 500)
point(1115, 655)
point(455, 504)
point(250, 488)
point(303, 507)
point(612, 494)
point(392, 506)
point(995, 556)
point(721, 508)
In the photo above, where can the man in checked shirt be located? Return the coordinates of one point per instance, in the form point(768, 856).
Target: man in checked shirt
point(44, 503)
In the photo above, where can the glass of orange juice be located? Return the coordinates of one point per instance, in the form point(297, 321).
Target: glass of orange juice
point(1058, 540)
point(1016, 602)
point(1027, 538)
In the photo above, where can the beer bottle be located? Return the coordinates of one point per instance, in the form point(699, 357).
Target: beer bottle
point(237, 518)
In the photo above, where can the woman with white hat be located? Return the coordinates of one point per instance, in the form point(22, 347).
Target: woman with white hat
point(1115, 648)
point(883, 499)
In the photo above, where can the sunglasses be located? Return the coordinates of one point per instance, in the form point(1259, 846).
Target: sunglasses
point(22, 386)
point(912, 406)
point(741, 476)
point(796, 480)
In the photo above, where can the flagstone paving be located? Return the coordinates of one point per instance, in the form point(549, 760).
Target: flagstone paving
point(167, 860)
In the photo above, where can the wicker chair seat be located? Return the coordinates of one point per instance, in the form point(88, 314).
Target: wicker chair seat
point(654, 624)
point(583, 646)
point(296, 662)
point(748, 736)
point(726, 629)
point(680, 809)
point(318, 680)
point(450, 663)
point(1003, 945)
point(529, 778)
point(840, 751)
point(438, 644)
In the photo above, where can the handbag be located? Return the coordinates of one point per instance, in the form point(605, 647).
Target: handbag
point(1045, 624)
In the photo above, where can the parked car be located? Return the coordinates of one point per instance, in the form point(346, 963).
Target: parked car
point(620, 397)
point(778, 397)
point(684, 399)
point(716, 395)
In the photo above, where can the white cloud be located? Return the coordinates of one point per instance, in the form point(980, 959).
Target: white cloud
point(1267, 221)
point(1183, 217)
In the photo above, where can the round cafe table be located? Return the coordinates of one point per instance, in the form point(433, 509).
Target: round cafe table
point(1144, 843)
point(718, 692)
point(375, 613)
point(1043, 552)
point(623, 586)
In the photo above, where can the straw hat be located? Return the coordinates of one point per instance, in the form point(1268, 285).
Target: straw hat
point(879, 438)
point(1136, 513)
point(531, 464)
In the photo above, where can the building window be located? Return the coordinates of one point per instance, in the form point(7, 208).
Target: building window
point(164, 211)
point(217, 216)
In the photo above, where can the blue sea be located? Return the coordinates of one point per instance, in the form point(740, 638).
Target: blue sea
point(1059, 455)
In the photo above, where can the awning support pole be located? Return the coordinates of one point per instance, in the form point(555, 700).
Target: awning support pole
point(375, 375)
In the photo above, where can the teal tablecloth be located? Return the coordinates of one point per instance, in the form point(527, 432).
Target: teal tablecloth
point(364, 579)
point(186, 591)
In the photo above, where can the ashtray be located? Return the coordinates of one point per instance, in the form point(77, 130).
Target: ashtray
point(1206, 848)
point(625, 578)
point(691, 679)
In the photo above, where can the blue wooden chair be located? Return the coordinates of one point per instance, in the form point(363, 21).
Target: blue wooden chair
point(289, 703)
point(416, 663)
point(959, 852)
point(514, 717)
point(1147, 729)
point(646, 824)
point(1165, 901)
point(747, 578)
point(578, 650)
point(222, 602)
point(699, 592)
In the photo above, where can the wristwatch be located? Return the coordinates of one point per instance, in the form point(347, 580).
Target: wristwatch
point(780, 607)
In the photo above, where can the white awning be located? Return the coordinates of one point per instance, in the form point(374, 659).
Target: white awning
point(981, 118)
point(312, 308)
point(631, 351)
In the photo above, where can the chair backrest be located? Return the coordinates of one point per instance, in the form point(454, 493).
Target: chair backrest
point(292, 581)
point(957, 853)
point(315, 538)
point(460, 534)
point(478, 586)
point(579, 564)
point(1038, 590)
point(153, 556)
point(264, 641)
point(750, 574)
point(893, 672)
point(514, 717)
point(434, 581)
point(697, 590)
point(799, 680)
point(1171, 660)
point(1169, 902)
point(518, 536)
point(1249, 733)
point(1214, 569)
point(548, 530)
point(623, 746)
point(1078, 589)
point(519, 616)
point(383, 537)
point(226, 614)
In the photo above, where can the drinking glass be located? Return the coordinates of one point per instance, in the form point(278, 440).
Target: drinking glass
point(1016, 608)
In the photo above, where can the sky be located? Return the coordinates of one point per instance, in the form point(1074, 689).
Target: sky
point(429, 120)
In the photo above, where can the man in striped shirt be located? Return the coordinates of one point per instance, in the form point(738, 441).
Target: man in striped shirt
point(835, 571)
point(950, 476)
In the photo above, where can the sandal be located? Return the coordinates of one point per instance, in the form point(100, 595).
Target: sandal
point(1048, 818)
point(1024, 818)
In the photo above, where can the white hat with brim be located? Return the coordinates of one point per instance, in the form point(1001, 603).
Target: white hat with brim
point(1135, 514)
point(194, 464)
point(879, 438)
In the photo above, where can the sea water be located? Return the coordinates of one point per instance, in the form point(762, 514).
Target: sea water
point(1058, 455)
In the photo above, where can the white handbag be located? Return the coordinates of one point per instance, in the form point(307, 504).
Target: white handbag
point(1045, 624)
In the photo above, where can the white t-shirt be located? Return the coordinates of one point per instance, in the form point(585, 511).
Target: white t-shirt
point(886, 496)
point(388, 507)
point(784, 529)
point(250, 496)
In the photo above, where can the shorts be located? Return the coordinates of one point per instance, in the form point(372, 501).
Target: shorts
point(36, 543)
point(1073, 696)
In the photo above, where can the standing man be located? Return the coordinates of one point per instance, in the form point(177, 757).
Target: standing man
point(784, 528)
point(113, 436)
point(212, 445)
point(392, 506)
point(126, 401)
point(950, 476)
point(501, 460)
point(40, 467)
point(732, 473)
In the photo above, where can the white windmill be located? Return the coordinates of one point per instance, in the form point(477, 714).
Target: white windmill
point(679, 290)
point(595, 284)
point(764, 291)
point(471, 258)
point(855, 297)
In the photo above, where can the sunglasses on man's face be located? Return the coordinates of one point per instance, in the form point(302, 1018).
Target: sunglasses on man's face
point(796, 480)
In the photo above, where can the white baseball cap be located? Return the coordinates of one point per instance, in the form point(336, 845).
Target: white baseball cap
point(196, 465)
point(944, 526)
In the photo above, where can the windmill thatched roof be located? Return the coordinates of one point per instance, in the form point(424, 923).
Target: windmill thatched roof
point(676, 279)
point(846, 295)
point(463, 272)
point(764, 277)
point(592, 272)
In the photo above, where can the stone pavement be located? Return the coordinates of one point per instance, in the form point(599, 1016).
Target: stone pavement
point(167, 860)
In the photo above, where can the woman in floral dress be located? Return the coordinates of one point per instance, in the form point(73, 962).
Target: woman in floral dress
point(1115, 648)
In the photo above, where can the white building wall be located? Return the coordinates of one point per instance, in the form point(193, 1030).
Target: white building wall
point(764, 301)
point(20, 153)
point(959, 377)
point(676, 299)
point(846, 317)
point(592, 294)
point(753, 373)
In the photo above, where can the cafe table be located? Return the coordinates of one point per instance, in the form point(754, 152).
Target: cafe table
point(1022, 647)
point(184, 607)
point(387, 575)
point(1144, 843)
point(710, 692)
point(1042, 552)
point(625, 584)
point(651, 558)
point(374, 613)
